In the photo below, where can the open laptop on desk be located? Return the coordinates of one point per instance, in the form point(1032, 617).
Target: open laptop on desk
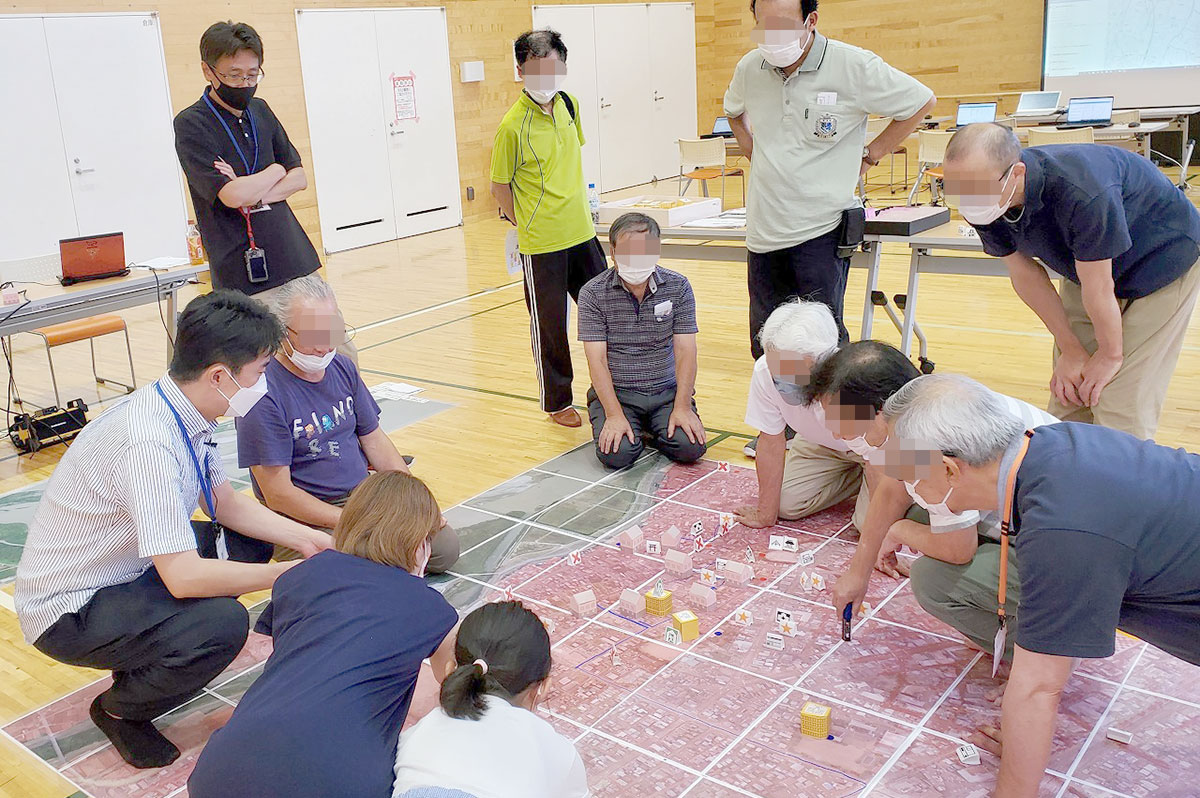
point(1037, 103)
point(1088, 112)
point(721, 129)
point(92, 258)
point(971, 113)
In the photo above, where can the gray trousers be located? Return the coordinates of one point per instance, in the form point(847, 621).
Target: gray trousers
point(646, 412)
point(965, 596)
point(445, 546)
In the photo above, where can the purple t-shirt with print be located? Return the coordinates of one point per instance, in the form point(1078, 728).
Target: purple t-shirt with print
point(311, 427)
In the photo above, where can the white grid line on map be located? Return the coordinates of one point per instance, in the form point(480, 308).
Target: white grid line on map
point(1099, 722)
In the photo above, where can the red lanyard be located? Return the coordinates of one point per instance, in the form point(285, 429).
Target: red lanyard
point(249, 229)
point(1006, 524)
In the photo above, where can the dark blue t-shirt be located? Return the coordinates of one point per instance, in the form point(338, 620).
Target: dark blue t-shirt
point(1108, 537)
point(324, 718)
point(1086, 202)
point(312, 427)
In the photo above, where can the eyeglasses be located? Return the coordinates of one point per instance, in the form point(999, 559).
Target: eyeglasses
point(323, 339)
point(250, 79)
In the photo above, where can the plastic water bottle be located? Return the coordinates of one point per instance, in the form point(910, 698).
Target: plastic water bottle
point(594, 202)
point(194, 244)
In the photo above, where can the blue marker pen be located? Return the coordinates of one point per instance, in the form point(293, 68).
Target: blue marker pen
point(846, 618)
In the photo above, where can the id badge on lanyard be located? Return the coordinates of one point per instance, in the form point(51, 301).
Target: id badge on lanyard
point(256, 258)
point(209, 505)
point(1010, 486)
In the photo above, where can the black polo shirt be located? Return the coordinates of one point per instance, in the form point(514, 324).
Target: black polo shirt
point(200, 139)
point(1091, 202)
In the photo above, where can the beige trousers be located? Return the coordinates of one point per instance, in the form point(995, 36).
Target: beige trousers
point(816, 478)
point(1152, 332)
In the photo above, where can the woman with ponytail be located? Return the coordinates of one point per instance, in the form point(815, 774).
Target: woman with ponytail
point(351, 626)
point(485, 739)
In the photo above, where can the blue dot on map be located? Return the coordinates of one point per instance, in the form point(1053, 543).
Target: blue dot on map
point(717, 634)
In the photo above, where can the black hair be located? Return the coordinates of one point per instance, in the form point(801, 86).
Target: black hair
point(863, 373)
point(807, 7)
point(229, 38)
point(632, 223)
point(539, 44)
point(512, 641)
point(222, 327)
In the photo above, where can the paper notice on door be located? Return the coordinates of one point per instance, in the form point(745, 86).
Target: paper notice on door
point(512, 254)
point(404, 92)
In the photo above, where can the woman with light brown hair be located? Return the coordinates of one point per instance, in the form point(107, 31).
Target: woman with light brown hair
point(351, 627)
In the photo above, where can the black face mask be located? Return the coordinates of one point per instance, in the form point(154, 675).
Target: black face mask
point(237, 97)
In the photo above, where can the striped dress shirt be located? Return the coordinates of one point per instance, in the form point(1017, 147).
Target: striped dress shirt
point(124, 492)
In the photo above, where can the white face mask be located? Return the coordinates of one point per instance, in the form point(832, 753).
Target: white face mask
point(859, 446)
point(978, 213)
point(636, 269)
point(542, 88)
point(941, 510)
point(244, 398)
point(309, 364)
point(784, 55)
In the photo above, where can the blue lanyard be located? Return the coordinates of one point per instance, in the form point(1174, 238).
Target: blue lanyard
point(187, 442)
point(233, 138)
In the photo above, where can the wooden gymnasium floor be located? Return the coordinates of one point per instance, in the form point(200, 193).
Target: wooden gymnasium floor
point(440, 312)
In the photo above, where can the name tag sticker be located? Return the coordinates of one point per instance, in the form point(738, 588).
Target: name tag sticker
point(826, 97)
point(662, 309)
point(260, 207)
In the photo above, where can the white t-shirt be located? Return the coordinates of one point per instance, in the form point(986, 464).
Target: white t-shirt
point(767, 412)
point(508, 753)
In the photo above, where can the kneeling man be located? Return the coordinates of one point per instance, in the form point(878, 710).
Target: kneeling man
point(637, 322)
point(311, 441)
point(1105, 531)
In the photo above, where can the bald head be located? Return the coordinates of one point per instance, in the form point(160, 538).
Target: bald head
point(994, 143)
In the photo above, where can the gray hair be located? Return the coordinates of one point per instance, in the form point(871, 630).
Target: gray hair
point(539, 44)
point(311, 286)
point(998, 142)
point(806, 328)
point(632, 223)
point(955, 414)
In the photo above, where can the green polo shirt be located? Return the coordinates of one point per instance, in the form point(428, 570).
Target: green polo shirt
point(539, 156)
point(809, 132)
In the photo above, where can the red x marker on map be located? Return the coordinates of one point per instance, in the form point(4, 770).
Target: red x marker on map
point(722, 467)
point(575, 558)
point(509, 595)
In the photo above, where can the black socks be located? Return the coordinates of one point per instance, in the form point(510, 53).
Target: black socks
point(137, 741)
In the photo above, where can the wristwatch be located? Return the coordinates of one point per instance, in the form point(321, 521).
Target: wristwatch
point(867, 157)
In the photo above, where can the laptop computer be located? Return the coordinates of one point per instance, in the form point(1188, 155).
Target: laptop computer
point(92, 257)
point(971, 113)
point(721, 129)
point(1088, 112)
point(1038, 103)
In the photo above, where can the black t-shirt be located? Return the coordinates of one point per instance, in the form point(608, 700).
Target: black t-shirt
point(1087, 203)
point(200, 139)
point(1108, 537)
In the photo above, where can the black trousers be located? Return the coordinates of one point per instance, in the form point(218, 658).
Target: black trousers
point(161, 650)
point(549, 278)
point(646, 412)
point(811, 271)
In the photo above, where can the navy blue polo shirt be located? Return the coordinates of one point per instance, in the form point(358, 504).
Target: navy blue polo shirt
point(640, 335)
point(1088, 202)
point(1107, 537)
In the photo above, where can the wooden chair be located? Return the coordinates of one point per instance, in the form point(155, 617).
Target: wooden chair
point(704, 160)
point(88, 329)
point(931, 152)
point(1040, 136)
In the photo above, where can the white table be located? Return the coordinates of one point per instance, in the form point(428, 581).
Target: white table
point(55, 304)
point(942, 250)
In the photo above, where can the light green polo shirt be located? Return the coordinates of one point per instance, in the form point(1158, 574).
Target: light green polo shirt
point(809, 132)
point(539, 156)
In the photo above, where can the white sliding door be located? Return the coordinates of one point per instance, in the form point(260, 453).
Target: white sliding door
point(349, 145)
point(576, 24)
point(414, 64)
point(36, 208)
point(381, 119)
point(673, 79)
point(626, 103)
